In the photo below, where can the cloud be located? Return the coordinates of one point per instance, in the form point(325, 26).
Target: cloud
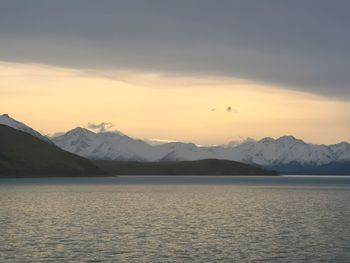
point(100, 127)
point(302, 45)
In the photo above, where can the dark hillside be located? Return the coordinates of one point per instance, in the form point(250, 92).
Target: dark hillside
point(201, 167)
point(23, 155)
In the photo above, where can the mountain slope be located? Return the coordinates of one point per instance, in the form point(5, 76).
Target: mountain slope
point(24, 155)
point(106, 145)
point(201, 167)
point(117, 146)
point(266, 152)
point(5, 119)
point(286, 154)
point(282, 151)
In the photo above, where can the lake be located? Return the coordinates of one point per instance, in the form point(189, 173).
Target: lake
point(175, 219)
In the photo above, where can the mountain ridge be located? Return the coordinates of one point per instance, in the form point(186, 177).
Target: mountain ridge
point(286, 153)
point(24, 155)
point(267, 152)
point(5, 119)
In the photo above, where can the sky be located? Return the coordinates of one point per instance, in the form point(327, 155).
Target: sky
point(202, 71)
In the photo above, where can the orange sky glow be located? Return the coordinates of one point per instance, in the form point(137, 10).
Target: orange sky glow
point(167, 107)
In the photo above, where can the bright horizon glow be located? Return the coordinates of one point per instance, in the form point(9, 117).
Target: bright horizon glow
point(167, 107)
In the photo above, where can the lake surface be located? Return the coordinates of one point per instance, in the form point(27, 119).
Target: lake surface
point(175, 219)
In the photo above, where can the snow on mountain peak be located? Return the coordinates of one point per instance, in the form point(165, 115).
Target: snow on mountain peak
point(341, 151)
point(267, 140)
point(113, 133)
point(267, 152)
point(289, 139)
point(5, 119)
point(114, 145)
point(80, 131)
point(104, 145)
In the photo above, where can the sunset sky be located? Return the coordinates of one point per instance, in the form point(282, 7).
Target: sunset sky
point(202, 71)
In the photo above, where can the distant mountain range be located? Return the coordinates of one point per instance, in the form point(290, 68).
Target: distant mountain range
point(26, 153)
point(286, 154)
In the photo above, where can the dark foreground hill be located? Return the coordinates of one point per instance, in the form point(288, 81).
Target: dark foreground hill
point(24, 155)
point(333, 168)
point(201, 167)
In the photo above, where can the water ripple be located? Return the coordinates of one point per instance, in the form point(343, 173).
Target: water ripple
point(173, 223)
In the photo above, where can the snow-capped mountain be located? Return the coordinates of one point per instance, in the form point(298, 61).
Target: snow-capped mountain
point(285, 154)
point(341, 151)
point(117, 146)
point(267, 152)
point(282, 151)
point(5, 119)
point(106, 145)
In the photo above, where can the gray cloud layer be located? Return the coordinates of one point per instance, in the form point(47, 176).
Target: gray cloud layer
point(303, 45)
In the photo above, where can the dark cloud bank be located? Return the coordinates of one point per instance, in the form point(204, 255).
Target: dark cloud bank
point(303, 45)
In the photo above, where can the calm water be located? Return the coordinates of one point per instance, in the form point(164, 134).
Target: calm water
point(172, 219)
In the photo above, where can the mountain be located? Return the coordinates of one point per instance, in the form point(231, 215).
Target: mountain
point(117, 146)
point(285, 154)
point(201, 167)
point(106, 146)
point(5, 119)
point(285, 150)
point(25, 155)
